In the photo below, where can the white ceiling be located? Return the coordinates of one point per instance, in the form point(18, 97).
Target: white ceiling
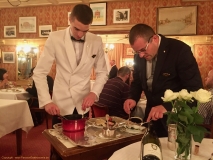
point(24, 3)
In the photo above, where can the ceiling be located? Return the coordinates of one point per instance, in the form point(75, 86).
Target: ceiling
point(24, 3)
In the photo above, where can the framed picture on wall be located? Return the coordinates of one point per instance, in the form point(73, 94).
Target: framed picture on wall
point(27, 24)
point(182, 21)
point(9, 31)
point(45, 30)
point(121, 15)
point(129, 52)
point(8, 57)
point(99, 13)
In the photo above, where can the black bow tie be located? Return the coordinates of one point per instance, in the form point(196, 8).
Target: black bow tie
point(80, 40)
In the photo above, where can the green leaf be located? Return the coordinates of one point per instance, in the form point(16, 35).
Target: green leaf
point(183, 118)
point(198, 119)
point(193, 130)
point(190, 118)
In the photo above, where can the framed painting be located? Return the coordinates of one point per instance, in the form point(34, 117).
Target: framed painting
point(45, 30)
point(99, 13)
point(8, 57)
point(121, 15)
point(182, 21)
point(27, 24)
point(129, 52)
point(9, 31)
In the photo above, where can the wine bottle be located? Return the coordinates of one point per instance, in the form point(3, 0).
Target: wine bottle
point(150, 145)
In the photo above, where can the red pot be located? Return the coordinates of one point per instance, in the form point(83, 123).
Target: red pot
point(75, 136)
point(74, 123)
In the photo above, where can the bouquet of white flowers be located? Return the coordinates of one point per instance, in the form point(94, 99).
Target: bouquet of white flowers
point(186, 118)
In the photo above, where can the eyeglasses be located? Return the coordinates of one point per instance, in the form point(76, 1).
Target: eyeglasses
point(145, 48)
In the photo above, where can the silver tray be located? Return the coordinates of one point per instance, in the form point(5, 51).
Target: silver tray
point(93, 135)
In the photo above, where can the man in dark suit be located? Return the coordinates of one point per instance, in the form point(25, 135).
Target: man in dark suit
point(160, 63)
point(114, 70)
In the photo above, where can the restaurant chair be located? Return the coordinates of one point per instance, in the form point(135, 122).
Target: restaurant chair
point(36, 109)
point(209, 127)
point(99, 111)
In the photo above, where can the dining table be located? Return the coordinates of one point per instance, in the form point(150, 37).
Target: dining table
point(132, 151)
point(101, 147)
point(14, 94)
point(15, 116)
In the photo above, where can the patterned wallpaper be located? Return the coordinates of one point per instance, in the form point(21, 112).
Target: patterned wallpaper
point(140, 12)
point(204, 56)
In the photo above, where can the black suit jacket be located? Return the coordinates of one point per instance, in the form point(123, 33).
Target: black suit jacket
point(113, 72)
point(176, 69)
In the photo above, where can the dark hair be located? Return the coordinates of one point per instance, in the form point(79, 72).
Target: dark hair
point(140, 30)
point(123, 71)
point(2, 72)
point(83, 13)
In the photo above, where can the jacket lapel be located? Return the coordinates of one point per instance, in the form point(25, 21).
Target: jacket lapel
point(70, 50)
point(161, 57)
point(85, 54)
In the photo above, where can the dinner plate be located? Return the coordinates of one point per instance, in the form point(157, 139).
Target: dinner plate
point(135, 131)
point(3, 90)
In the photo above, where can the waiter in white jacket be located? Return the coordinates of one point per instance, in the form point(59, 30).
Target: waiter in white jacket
point(75, 51)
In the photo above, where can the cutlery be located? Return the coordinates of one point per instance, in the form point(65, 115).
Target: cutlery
point(107, 119)
point(62, 117)
point(83, 114)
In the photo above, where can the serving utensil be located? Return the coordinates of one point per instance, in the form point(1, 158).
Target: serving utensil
point(62, 117)
point(107, 119)
point(83, 114)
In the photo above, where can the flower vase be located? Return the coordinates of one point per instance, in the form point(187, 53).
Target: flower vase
point(185, 153)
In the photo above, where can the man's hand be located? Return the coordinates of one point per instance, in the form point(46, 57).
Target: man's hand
point(128, 105)
point(89, 100)
point(52, 109)
point(156, 113)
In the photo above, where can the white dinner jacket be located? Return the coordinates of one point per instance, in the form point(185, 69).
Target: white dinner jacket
point(72, 82)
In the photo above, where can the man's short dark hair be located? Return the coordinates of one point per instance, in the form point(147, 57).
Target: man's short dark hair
point(2, 72)
point(140, 30)
point(83, 13)
point(123, 71)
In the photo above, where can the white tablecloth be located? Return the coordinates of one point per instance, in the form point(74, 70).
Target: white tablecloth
point(14, 114)
point(132, 151)
point(9, 94)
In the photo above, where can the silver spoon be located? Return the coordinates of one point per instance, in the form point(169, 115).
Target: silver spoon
point(107, 119)
point(83, 114)
point(62, 117)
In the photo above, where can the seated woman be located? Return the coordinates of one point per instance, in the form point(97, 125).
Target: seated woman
point(33, 102)
point(3, 78)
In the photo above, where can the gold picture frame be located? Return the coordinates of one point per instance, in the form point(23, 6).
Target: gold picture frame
point(182, 21)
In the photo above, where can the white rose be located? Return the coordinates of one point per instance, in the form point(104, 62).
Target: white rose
point(169, 95)
point(184, 94)
point(202, 95)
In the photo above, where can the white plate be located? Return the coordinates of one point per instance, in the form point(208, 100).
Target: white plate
point(139, 130)
point(3, 90)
